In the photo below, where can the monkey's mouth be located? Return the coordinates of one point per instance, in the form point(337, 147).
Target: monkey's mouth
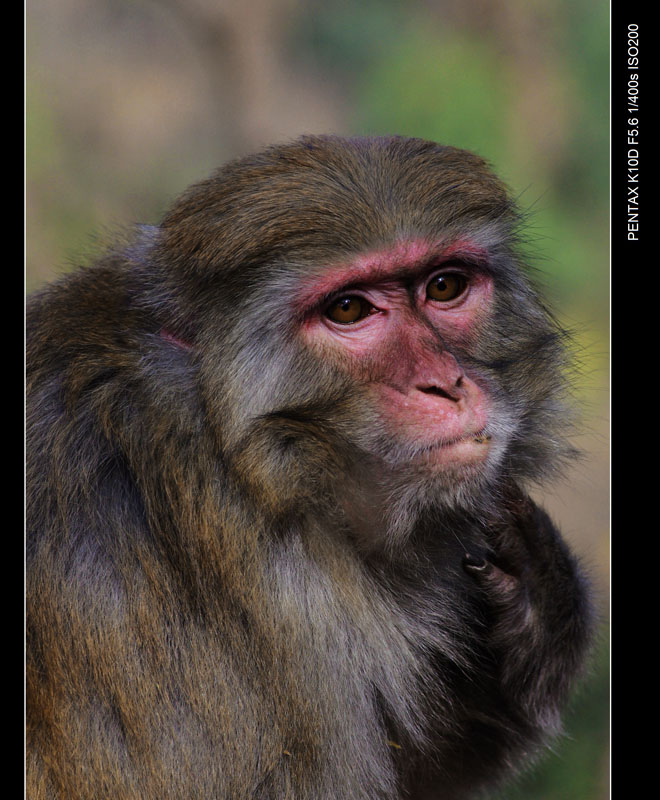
point(470, 448)
point(481, 437)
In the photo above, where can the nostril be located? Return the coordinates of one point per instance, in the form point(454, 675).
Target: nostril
point(436, 390)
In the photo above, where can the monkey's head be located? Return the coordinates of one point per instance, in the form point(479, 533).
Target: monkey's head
point(359, 316)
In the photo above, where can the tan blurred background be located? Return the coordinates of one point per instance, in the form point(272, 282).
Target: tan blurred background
point(129, 101)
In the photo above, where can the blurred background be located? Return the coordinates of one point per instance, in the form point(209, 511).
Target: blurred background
point(129, 101)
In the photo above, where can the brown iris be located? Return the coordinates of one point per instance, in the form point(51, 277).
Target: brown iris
point(348, 309)
point(446, 287)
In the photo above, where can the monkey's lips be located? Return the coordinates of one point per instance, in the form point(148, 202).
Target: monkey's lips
point(472, 448)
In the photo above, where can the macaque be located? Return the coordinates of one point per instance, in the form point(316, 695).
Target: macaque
point(280, 540)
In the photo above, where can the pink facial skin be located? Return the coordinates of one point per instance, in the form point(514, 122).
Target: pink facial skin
point(402, 346)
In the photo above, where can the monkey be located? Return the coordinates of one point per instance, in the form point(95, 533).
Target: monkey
point(280, 542)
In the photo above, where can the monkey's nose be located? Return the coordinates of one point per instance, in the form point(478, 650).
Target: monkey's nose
point(441, 376)
point(449, 387)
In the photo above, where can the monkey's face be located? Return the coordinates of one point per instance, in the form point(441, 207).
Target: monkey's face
point(361, 310)
point(395, 320)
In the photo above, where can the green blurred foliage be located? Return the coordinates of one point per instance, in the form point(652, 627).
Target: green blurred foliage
point(451, 91)
point(63, 216)
point(344, 37)
point(41, 134)
point(585, 177)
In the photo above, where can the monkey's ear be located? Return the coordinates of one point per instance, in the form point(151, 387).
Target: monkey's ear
point(144, 238)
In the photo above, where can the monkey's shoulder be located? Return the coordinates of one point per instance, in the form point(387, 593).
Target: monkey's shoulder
point(85, 313)
point(90, 337)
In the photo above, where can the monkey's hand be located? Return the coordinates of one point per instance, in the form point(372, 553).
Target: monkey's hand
point(539, 615)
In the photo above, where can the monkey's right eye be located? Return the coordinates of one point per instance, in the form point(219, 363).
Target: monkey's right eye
point(347, 310)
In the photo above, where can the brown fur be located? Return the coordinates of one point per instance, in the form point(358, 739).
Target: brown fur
point(228, 597)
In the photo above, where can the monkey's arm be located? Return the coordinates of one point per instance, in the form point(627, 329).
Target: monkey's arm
point(538, 629)
point(540, 615)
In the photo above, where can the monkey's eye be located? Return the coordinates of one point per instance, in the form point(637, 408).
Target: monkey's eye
point(349, 309)
point(445, 287)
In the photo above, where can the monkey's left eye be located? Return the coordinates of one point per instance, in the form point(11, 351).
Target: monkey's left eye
point(347, 310)
point(445, 287)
